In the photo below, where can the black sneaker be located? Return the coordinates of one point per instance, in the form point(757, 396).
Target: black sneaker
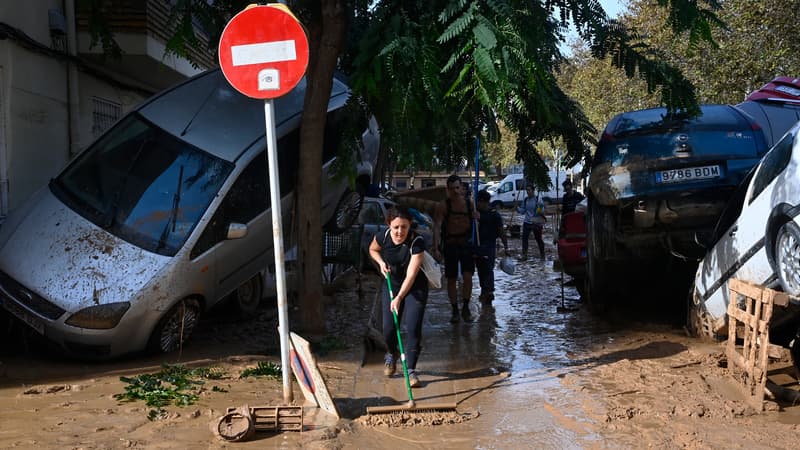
point(454, 318)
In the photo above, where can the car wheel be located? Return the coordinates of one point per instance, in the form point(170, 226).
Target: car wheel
point(697, 322)
point(248, 296)
point(346, 212)
point(497, 204)
point(175, 327)
point(787, 258)
point(595, 285)
point(602, 228)
point(598, 273)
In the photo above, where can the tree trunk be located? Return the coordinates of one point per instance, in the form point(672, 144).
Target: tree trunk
point(326, 35)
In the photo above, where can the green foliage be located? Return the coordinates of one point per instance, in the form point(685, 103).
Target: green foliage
point(98, 12)
point(752, 48)
point(174, 385)
point(266, 369)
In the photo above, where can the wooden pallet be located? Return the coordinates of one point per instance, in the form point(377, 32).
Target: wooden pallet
point(749, 314)
point(275, 418)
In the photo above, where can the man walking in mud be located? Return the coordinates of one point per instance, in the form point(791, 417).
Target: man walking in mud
point(452, 233)
point(490, 227)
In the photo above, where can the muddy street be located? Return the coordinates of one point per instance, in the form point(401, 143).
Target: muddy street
point(525, 374)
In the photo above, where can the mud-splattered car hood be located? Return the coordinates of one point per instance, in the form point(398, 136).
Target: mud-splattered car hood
point(61, 256)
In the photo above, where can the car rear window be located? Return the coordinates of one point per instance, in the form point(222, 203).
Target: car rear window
point(713, 117)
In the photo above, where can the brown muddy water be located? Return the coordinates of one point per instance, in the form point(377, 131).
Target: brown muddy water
point(524, 374)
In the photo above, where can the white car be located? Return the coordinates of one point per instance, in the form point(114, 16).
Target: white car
point(163, 217)
point(757, 239)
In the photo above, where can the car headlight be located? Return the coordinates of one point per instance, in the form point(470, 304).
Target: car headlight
point(99, 317)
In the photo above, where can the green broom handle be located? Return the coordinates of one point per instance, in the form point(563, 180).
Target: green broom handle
point(399, 341)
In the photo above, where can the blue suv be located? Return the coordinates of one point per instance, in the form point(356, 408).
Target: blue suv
point(657, 180)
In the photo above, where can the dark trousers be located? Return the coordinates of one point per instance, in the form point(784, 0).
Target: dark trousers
point(412, 310)
point(484, 262)
point(537, 234)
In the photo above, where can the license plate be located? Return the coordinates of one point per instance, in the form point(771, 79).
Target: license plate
point(23, 315)
point(687, 174)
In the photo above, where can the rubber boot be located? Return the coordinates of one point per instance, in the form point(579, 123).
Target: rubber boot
point(465, 314)
point(454, 318)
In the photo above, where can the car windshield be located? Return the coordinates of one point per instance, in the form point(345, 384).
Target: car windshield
point(143, 185)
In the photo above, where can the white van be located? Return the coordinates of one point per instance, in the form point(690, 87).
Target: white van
point(510, 191)
point(164, 216)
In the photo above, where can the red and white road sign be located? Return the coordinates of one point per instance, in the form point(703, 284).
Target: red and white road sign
point(263, 51)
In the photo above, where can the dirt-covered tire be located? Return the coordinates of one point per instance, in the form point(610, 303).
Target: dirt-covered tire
point(787, 258)
point(346, 212)
point(598, 269)
point(696, 316)
point(596, 290)
point(247, 297)
point(175, 327)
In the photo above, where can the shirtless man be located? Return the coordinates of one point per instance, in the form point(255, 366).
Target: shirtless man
point(453, 228)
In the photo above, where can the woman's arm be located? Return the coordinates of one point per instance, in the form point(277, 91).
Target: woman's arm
point(412, 271)
point(375, 254)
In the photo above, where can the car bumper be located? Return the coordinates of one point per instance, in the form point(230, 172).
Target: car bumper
point(128, 336)
point(572, 254)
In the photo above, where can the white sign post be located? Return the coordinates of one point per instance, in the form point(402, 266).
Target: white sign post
point(263, 53)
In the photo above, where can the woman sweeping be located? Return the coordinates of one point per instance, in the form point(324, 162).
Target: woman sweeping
point(399, 255)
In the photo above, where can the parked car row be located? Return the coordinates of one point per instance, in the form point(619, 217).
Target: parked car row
point(164, 216)
point(722, 188)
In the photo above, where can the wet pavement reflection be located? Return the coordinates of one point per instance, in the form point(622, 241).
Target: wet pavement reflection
point(507, 363)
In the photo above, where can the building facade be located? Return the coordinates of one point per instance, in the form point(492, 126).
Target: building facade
point(59, 92)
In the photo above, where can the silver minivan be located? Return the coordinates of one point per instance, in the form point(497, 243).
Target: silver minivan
point(162, 217)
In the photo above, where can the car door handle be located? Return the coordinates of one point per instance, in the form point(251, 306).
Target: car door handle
point(733, 231)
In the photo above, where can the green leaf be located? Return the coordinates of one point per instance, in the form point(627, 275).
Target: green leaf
point(483, 62)
point(484, 36)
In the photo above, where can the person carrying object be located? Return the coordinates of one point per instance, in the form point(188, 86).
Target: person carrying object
point(398, 254)
point(533, 209)
point(569, 202)
point(490, 227)
point(452, 231)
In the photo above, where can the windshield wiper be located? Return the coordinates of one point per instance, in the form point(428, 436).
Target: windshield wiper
point(173, 216)
point(112, 210)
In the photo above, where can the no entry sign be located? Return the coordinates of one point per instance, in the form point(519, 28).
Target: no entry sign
point(263, 51)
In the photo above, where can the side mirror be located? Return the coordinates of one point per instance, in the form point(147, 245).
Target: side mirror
point(236, 231)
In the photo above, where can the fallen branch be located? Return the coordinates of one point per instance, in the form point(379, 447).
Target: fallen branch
point(635, 391)
point(680, 366)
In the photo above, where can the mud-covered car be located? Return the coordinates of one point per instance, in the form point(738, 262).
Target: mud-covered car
point(757, 239)
point(657, 180)
point(164, 216)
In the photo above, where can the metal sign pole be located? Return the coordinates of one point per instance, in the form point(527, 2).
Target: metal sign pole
point(277, 247)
